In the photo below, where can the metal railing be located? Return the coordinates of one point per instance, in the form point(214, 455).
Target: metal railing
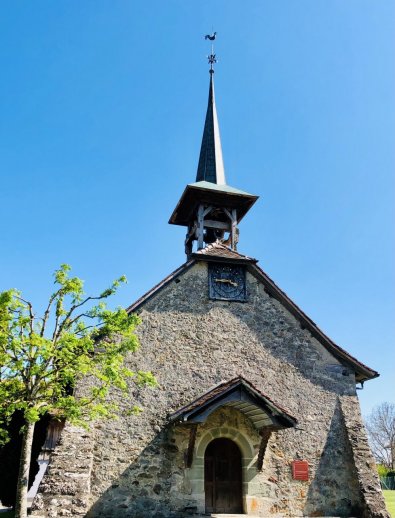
point(387, 482)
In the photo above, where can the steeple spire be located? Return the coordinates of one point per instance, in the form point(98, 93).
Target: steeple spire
point(209, 208)
point(211, 164)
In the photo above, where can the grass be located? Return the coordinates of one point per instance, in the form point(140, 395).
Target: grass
point(389, 496)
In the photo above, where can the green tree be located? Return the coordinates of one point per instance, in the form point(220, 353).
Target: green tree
point(42, 359)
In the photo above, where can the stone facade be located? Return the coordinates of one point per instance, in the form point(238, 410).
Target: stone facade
point(135, 466)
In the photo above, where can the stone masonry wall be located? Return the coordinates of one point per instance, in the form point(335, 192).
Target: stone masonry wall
point(65, 489)
point(191, 344)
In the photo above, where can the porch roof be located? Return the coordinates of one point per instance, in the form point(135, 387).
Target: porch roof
point(240, 394)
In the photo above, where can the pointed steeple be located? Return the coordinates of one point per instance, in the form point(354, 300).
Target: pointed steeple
point(211, 164)
point(210, 209)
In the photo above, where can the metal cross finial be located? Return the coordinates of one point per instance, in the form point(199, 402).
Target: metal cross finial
point(212, 57)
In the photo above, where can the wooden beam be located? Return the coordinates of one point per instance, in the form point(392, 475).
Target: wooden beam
point(192, 230)
point(207, 210)
point(228, 214)
point(191, 446)
point(265, 434)
point(216, 224)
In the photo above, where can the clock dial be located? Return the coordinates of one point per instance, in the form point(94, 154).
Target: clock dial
point(227, 282)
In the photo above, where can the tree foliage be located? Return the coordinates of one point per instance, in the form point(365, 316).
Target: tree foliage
point(43, 358)
point(380, 425)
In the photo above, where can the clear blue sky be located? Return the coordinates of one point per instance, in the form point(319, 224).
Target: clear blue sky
point(102, 110)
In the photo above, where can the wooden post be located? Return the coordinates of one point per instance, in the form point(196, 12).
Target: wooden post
point(191, 446)
point(234, 229)
point(200, 229)
point(189, 239)
point(188, 247)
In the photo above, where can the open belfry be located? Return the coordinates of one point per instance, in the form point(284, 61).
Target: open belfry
point(256, 412)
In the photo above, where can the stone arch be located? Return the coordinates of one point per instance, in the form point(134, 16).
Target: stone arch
point(245, 445)
point(196, 472)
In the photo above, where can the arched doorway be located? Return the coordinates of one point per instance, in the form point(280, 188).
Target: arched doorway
point(222, 477)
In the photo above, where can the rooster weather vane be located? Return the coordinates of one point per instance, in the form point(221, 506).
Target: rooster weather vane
point(212, 57)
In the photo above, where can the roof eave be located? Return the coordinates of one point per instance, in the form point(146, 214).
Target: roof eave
point(220, 259)
point(193, 195)
point(362, 372)
point(163, 283)
point(200, 405)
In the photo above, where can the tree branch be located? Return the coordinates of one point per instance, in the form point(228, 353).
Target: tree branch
point(58, 332)
point(47, 311)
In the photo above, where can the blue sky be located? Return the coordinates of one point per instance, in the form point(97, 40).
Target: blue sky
point(102, 111)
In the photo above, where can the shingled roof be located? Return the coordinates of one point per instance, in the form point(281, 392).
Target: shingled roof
point(241, 394)
point(220, 252)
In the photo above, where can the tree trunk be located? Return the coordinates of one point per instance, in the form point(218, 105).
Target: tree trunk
point(24, 469)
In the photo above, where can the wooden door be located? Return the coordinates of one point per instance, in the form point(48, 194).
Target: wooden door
point(222, 477)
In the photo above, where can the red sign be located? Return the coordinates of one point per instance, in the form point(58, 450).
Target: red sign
point(300, 470)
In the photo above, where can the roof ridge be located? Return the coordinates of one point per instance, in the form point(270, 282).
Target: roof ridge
point(222, 246)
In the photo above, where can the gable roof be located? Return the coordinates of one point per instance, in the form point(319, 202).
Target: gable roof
point(219, 252)
point(241, 394)
point(362, 371)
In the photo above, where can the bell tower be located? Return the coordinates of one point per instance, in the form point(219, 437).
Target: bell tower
point(209, 208)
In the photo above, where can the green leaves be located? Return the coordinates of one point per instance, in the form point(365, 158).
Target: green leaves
point(43, 357)
point(72, 286)
point(114, 286)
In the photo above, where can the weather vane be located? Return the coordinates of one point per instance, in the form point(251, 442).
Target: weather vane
point(212, 57)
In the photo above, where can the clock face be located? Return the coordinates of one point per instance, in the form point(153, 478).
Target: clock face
point(227, 282)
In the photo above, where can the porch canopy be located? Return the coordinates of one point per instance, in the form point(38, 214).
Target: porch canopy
point(240, 394)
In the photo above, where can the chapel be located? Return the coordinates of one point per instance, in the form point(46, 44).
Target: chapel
point(256, 412)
